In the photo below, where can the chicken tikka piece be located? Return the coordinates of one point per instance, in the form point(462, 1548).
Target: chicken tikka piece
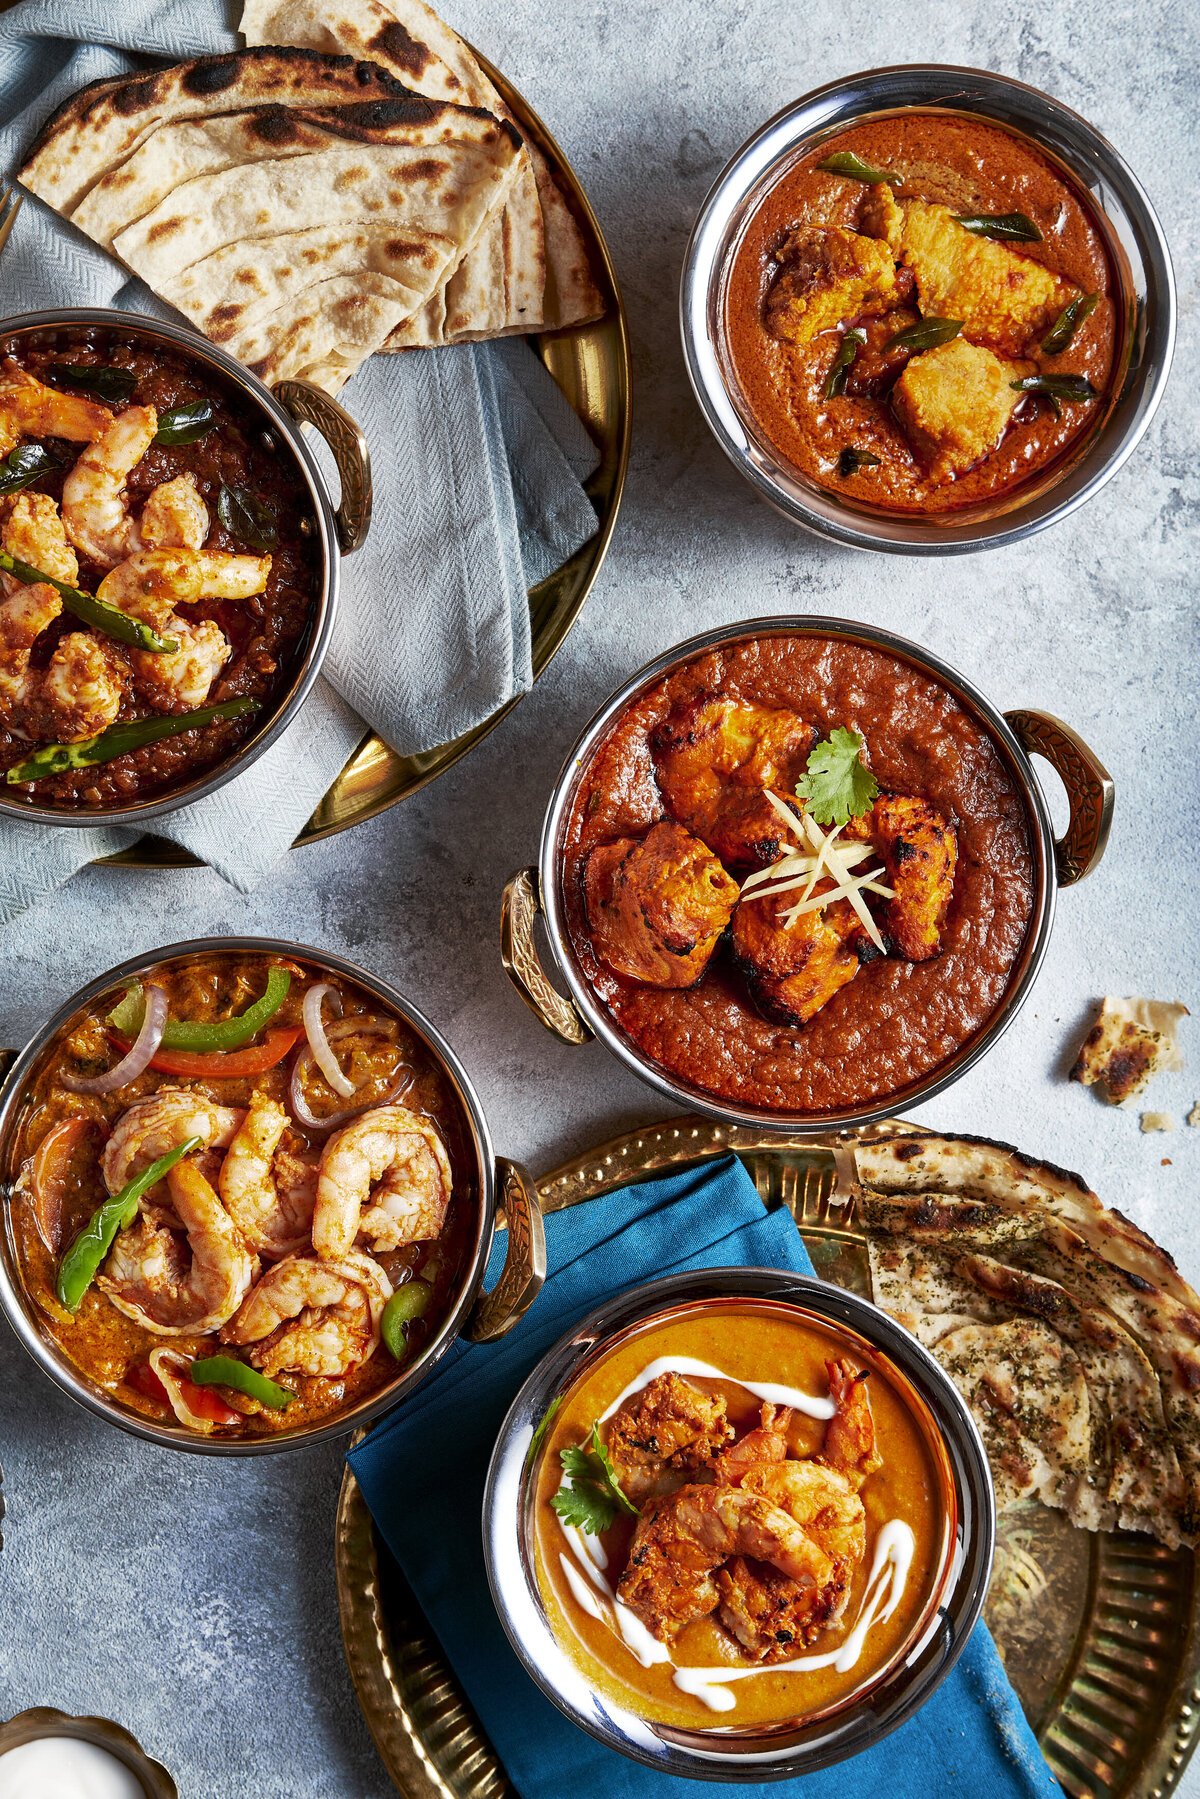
point(792, 970)
point(666, 1436)
point(658, 907)
point(919, 847)
point(713, 758)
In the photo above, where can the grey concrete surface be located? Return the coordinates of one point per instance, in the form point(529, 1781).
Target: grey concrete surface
point(195, 1602)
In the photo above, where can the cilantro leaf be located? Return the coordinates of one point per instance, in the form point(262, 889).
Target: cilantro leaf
point(590, 1496)
point(838, 786)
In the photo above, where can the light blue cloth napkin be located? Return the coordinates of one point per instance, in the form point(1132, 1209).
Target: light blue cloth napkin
point(478, 464)
point(422, 1474)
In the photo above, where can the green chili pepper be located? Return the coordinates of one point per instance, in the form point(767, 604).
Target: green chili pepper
point(851, 460)
point(118, 740)
point(227, 1371)
point(81, 1264)
point(1059, 387)
point(107, 384)
point(926, 335)
point(186, 424)
point(408, 1302)
point(1012, 225)
point(97, 613)
point(1068, 322)
point(835, 381)
point(229, 1033)
point(845, 162)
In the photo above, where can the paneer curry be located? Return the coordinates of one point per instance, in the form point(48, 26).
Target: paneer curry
point(922, 313)
point(798, 873)
point(240, 1194)
point(741, 1517)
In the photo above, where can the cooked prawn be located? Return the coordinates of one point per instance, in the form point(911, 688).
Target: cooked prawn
point(34, 533)
point(28, 408)
point(171, 1288)
point(819, 1498)
point(766, 1443)
point(157, 1122)
point(769, 1614)
point(385, 1176)
point(23, 618)
point(150, 584)
point(95, 506)
point(274, 1216)
point(682, 1540)
point(850, 1434)
point(312, 1317)
point(174, 517)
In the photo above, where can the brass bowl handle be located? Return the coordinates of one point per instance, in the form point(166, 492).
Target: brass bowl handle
point(311, 406)
point(1089, 788)
point(524, 1270)
point(518, 913)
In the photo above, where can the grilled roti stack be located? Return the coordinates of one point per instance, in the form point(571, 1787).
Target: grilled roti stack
point(1069, 1332)
point(305, 209)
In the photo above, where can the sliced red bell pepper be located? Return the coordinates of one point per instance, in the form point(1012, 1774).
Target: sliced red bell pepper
point(226, 1065)
point(202, 1401)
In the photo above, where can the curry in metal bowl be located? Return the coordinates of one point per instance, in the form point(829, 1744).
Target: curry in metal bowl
point(923, 313)
point(160, 562)
point(242, 1194)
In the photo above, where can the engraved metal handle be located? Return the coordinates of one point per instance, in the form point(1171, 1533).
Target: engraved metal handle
point(524, 1269)
point(7, 1058)
point(518, 914)
point(1089, 788)
point(311, 406)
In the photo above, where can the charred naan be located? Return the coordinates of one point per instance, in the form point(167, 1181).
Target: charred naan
point(1025, 1286)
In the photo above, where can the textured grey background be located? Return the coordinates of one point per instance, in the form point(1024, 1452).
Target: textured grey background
point(195, 1601)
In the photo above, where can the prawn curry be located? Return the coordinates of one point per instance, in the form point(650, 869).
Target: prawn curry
point(242, 1194)
point(741, 1517)
point(798, 873)
point(923, 314)
point(159, 563)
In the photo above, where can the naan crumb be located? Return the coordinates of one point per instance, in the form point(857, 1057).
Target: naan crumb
point(1193, 1116)
point(1157, 1121)
point(1133, 1040)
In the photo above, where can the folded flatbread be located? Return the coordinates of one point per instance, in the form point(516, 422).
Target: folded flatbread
point(529, 270)
point(1071, 1334)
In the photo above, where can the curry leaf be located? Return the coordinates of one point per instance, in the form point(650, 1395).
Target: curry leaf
point(835, 381)
point(107, 384)
point(1059, 387)
point(926, 335)
point(1058, 338)
point(1012, 225)
point(851, 460)
point(185, 424)
point(845, 162)
point(27, 464)
point(247, 519)
point(838, 786)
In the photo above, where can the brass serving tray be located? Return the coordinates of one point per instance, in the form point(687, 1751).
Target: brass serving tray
point(591, 365)
point(1100, 1633)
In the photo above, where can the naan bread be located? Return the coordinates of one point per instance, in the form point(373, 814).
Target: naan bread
point(968, 1240)
point(530, 269)
point(1129, 1043)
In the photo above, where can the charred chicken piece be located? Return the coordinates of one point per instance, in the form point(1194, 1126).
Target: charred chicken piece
point(713, 757)
point(657, 907)
point(662, 1437)
point(792, 970)
point(772, 1617)
point(919, 848)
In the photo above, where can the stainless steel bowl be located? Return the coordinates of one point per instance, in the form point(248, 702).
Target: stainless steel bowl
point(481, 1317)
point(535, 892)
point(793, 1749)
point(282, 410)
point(1138, 250)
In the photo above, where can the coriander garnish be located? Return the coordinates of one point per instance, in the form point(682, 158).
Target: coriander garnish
point(838, 786)
point(590, 1496)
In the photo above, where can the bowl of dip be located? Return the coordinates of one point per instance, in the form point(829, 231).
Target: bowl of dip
point(793, 1568)
point(43, 1751)
point(927, 309)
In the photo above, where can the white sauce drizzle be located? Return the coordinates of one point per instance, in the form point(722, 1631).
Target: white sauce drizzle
point(894, 1550)
point(770, 1391)
point(67, 1767)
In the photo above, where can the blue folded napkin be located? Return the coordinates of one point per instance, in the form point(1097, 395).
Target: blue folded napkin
point(422, 1473)
point(478, 466)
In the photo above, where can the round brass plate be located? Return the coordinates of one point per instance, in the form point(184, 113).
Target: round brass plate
point(1100, 1633)
point(591, 365)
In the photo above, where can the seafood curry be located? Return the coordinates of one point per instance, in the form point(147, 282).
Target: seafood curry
point(741, 1518)
point(159, 564)
point(922, 314)
point(242, 1194)
point(798, 873)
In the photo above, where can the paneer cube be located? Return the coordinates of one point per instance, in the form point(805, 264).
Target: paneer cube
point(1002, 297)
point(827, 276)
point(954, 403)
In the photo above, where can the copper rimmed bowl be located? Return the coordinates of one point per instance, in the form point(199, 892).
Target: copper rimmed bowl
point(541, 891)
point(482, 1317)
point(1138, 253)
point(280, 411)
point(958, 1581)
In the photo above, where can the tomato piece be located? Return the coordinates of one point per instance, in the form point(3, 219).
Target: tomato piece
point(202, 1402)
point(143, 1379)
point(48, 1174)
point(226, 1065)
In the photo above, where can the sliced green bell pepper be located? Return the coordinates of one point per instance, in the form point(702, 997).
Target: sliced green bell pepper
point(227, 1371)
point(229, 1033)
point(81, 1263)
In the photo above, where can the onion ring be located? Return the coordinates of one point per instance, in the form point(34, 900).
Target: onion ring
point(308, 1120)
point(154, 1023)
point(318, 1042)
